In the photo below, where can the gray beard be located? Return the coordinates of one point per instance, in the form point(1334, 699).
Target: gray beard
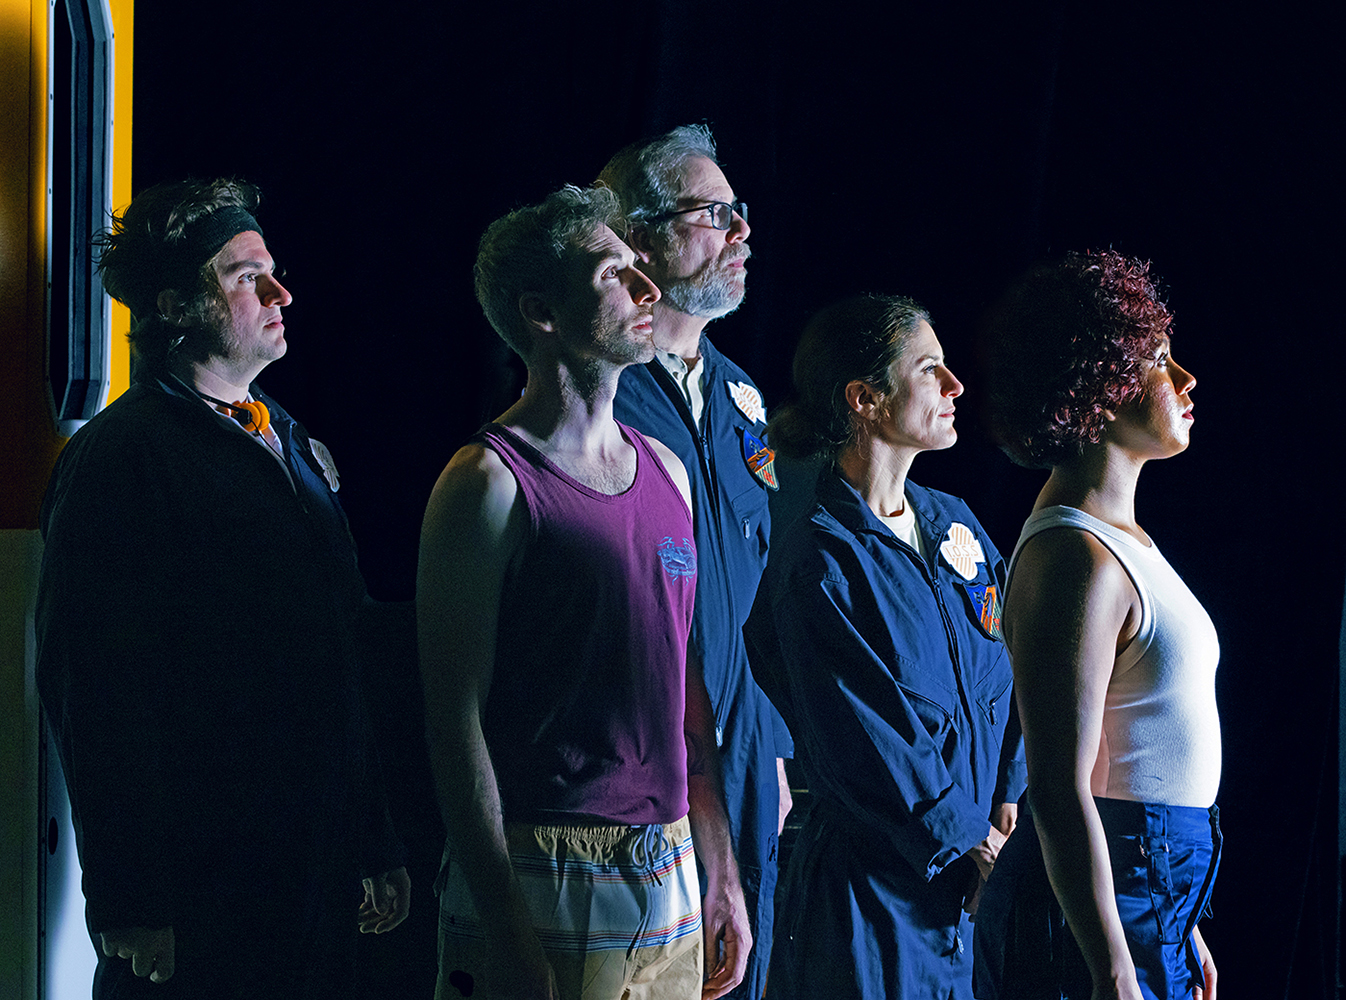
point(707, 297)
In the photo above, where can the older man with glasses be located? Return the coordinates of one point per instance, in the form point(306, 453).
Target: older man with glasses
point(691, 235)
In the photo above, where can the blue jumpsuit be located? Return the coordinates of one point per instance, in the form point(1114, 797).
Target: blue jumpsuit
point(890, 671)
point(732, 525)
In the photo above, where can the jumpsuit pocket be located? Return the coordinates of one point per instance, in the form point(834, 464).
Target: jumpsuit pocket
point(750, 508)
point(1152, 877)
point(1131, 881)
point(981, 602)
point(1171, 871)
point(994, 692)
point(938, 721)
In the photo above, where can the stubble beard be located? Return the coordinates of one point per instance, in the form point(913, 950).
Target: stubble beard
point(618, 338)
point(227, 343)
point(714, 291)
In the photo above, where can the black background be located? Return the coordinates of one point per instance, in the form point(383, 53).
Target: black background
point(929, 154)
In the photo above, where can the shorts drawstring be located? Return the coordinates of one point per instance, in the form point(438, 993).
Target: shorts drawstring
point(651, 842)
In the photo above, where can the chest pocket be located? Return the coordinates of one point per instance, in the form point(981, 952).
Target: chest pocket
point(994, 691)
point(931, 703)
point(749, 509)
point(933, 694)
point(991, 676)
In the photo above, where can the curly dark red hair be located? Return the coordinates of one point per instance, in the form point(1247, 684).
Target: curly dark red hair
point(1066, 343)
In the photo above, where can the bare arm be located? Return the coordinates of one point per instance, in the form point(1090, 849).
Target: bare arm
point(1073, 606)
point(673, 465)
point(473, 526)
point(723, 910)
point(1204, 990)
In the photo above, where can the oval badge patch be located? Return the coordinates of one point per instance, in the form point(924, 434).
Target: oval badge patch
point(962, 551)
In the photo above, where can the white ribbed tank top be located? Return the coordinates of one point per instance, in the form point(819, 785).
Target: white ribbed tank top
point(1161, 729)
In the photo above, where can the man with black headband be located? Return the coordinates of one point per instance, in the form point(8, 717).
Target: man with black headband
point(195, 651)
point(691, 234)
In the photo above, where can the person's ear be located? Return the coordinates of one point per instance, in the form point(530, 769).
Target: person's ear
point(537, 311)
point(171, 307)
point(864, 400)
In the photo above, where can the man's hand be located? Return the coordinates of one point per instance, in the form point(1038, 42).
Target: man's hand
point(150, 950)
point(728, 938)
point(387, 902)
point(786, 799)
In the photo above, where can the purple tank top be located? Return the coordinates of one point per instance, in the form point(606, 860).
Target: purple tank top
point(584, 716)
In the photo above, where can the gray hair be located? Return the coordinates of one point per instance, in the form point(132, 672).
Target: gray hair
point(647, 175)
point(525, 251)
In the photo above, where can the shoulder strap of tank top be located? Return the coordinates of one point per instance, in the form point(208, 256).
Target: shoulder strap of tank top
point(648, 457)
point(1070, 517)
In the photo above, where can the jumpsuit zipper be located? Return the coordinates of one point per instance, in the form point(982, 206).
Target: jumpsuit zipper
point(932, 580)
point(712, 516)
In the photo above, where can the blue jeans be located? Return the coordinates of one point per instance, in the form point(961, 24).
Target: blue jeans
point(1164, 860)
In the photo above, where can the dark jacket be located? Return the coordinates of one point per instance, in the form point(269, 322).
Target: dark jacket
point(195, 662)
point(732, 526)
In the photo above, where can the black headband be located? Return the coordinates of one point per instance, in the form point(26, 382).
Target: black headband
point(204, 237)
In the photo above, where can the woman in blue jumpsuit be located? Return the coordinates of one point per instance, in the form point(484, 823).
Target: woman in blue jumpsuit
point(878, 628)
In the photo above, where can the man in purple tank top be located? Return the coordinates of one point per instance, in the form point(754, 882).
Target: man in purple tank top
point(571, 736)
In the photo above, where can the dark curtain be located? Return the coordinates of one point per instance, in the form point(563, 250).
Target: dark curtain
point(928, 154)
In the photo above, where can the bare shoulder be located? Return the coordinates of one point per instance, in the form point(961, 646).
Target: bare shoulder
point(476, 478)
point(676, 471)
point(1066, 581)
point(474, 503)
point(473, 531)
point(1066, 559)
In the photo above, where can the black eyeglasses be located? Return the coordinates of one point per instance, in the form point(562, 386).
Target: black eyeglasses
point(721, 213)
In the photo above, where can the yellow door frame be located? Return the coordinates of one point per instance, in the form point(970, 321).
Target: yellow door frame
point(30, 442)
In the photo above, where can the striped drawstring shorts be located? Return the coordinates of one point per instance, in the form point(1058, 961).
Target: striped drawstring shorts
point(616, 908)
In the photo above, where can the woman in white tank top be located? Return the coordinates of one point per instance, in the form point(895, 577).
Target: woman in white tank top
point(1098, 892)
